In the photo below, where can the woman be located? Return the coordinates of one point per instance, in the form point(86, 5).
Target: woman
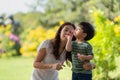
point(51, 55)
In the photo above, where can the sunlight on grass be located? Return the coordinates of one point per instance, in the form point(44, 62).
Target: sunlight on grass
point(21, 68)
point(15, 68)
point(65, 74)
point(116, 73)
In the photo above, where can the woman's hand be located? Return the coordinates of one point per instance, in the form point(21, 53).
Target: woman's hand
point(70, 35)
point(57, 66)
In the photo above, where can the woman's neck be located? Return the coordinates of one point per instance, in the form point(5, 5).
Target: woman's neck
point(62, 44)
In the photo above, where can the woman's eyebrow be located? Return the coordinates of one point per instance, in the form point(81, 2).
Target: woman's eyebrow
point(66, 28)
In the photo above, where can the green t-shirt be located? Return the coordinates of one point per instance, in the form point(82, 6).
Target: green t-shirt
point(82, 48)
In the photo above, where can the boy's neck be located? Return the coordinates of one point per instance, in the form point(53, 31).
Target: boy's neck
point(80, 40)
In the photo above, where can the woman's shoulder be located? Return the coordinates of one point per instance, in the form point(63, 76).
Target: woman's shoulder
point(47, 41)
point(45, 44)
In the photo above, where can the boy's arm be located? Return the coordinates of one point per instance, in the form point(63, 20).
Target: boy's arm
point(89, 57)
point(85, 57)
point(89, 66)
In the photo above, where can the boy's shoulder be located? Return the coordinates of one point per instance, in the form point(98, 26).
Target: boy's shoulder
point(74, 42)
point(87, 44)
point(84, 43)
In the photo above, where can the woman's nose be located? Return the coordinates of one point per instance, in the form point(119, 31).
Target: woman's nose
point(72, 31)
point(68, 32)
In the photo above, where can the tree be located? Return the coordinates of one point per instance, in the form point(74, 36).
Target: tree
point(74, 10)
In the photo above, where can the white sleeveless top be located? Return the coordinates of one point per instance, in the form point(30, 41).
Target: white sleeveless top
point(47, 74)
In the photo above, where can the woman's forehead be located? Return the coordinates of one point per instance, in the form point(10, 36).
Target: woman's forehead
point(68, 27)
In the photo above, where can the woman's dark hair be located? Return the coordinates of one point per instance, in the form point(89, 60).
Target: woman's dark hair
point(56, 40)
point(87, 28)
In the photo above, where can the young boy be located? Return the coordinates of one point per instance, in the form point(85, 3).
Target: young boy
point(81, 51)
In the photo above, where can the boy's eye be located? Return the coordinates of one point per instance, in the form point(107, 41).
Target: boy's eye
point(77, 29)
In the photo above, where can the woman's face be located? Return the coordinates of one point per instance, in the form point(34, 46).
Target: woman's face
point(65, 31)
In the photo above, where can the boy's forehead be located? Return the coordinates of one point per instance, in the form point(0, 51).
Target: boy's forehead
point(78, 26)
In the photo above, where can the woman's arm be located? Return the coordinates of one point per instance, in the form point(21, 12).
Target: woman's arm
point(40, 56)
point(68, 45)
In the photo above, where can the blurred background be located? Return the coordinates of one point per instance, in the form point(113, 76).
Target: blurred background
point(24, 24)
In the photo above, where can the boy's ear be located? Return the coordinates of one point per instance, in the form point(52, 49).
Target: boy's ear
point(84, 34)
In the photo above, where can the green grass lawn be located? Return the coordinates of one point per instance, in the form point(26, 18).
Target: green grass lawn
point(21, 68)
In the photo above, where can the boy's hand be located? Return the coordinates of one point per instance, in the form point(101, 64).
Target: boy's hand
point(89, 66)
point(81, 57)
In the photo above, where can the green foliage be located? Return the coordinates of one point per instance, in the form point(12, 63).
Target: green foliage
point(102, 13)
point(33, 38)
point(73, 10)
point(9, 46)
point(104, 43)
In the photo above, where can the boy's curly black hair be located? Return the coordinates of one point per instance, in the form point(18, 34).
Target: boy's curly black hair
point(87, 28)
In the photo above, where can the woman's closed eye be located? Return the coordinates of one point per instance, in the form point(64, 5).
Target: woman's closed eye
point(66, 30)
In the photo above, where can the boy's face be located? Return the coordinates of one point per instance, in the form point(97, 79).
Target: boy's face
point(79, 33)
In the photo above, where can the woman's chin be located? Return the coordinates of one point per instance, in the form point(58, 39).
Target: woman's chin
point(64, 39)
